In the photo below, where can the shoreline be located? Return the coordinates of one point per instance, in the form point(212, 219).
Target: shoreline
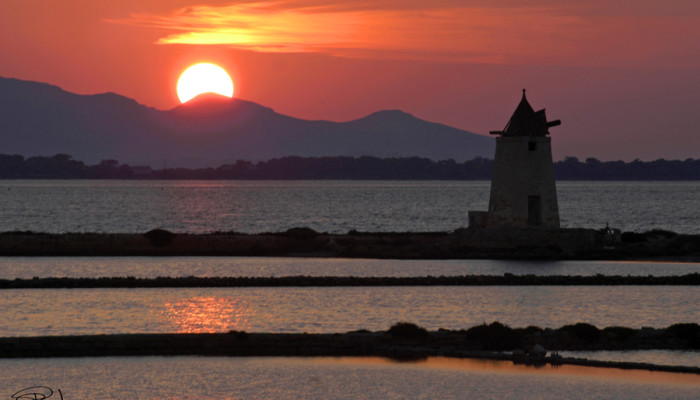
point(463, 243)
point(452, 344)
point(507, 279)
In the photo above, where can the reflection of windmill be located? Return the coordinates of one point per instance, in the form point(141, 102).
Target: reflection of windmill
point(36, 393)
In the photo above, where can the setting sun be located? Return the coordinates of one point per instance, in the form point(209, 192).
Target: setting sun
point(203, 78)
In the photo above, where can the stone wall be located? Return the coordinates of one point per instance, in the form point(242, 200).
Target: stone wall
point(522, 168)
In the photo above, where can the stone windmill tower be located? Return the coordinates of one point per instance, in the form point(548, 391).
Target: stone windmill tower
point(523, 192)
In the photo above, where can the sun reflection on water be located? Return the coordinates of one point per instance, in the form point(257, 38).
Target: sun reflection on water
point(208, 314)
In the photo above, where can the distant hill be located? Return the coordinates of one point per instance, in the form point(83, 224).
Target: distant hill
point(37, 119)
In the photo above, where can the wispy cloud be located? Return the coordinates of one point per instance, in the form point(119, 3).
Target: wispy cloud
point(259, 26)
point(547, 32)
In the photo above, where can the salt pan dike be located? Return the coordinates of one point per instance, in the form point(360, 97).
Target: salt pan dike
point(403, 341)
point(463, 243)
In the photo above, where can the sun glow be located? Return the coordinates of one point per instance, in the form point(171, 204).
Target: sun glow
point(203, 78)
point(208, 314)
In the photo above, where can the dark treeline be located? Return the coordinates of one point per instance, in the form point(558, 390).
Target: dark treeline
point(63, 166)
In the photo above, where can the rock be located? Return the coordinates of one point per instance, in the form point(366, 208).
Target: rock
point(538, 351)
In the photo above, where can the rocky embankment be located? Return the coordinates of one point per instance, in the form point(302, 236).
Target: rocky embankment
point(401, 341)
point(460, 244)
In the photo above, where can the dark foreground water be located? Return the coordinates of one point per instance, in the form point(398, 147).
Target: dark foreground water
point(333, 378)
point(326, 206)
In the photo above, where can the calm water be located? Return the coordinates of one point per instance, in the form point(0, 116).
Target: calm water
point(333, 378)
point(689, 358)
point(326, 206)
point(244, 206)
point(152, 267)
point(30, 312)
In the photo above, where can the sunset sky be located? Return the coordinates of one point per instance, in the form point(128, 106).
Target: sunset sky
point(622, 75)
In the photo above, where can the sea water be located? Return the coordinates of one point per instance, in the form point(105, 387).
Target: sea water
point(326, 206)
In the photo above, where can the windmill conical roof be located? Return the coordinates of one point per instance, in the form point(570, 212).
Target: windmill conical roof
point(525, 121)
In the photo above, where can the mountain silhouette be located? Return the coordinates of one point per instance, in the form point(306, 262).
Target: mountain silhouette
point(41, 119)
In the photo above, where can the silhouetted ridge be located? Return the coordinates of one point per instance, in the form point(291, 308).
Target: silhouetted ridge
point(387, 115)
point(43, 120)
point(399, 119)
point(114, 98)
point(212, 104)
point(12, 84)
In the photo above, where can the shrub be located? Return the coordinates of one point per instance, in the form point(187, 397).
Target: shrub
point(661, 232)
point(407, 331)
point(159, 237)
point(583, 331)
point(633, 237)
point(689, 332)
point(301, 233)
point(619, 333)
point(495, 336)
point(530, 330)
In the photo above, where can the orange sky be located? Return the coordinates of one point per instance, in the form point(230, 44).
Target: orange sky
point(622, 75)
